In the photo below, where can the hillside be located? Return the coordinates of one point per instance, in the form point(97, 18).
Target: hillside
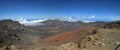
point(104, 39)
point(70, 36)
point(14, 36)
point(115, 24)
point(59, 35)
point(9, 33)
point(53, 27)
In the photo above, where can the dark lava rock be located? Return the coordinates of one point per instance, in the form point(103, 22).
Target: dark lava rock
point(9, 31)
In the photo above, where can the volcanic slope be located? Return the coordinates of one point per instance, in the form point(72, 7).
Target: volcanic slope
point(14, 36)
point(71, 36)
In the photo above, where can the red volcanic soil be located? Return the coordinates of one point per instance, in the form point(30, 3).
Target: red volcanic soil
point(71, 36)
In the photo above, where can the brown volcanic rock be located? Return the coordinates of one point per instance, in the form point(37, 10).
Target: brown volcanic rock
point(115, 24)
point(71, 36)
point(9, 31)
point(53, 27)
point(104, 39)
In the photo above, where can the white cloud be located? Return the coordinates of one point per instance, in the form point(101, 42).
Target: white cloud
point(72, 19)
point(92, 16)
point(38, 22)
point(75, 19)
point(86, 21)
point(115, 18)
point(30, 23)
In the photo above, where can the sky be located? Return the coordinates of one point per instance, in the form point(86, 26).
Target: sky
point(96, 10)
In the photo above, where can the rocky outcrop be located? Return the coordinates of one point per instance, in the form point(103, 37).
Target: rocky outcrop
point(9, 32)
point(104, 39)
point(68, 46)
point(115, 24)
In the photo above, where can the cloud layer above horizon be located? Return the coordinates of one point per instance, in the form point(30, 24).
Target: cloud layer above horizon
point(37, 22)
point(29, 23)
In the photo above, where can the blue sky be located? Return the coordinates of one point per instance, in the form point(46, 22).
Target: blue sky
point(41, 9)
